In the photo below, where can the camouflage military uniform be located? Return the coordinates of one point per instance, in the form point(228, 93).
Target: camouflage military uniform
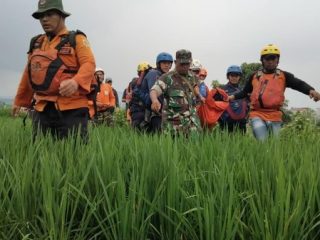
point(179, 113)
point(105, 117)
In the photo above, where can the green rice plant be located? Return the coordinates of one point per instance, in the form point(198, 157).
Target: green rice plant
point(127, 185)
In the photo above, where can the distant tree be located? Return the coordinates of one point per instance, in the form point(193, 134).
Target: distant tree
point(215, 83)
point(248, 69)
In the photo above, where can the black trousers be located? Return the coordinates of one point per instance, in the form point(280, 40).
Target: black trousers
point(61, 124)
point(155, 124)
point(137, 119)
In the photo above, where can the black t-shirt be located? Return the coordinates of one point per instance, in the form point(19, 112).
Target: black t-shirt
point(291, 82)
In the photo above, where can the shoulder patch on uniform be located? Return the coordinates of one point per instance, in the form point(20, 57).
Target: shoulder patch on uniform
point(86, 43)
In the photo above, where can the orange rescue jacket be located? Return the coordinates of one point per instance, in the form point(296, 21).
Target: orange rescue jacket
point(104, 99)
point(267, 96)
point(77, 63)
point(268, 91)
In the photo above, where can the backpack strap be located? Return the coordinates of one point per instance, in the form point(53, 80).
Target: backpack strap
point(264, 85)
point(69, 38)
point(93, 97)
point(34, 43)
point(259, 74)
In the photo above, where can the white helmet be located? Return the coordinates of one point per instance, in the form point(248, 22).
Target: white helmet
point(195, 65)
point(98, 69)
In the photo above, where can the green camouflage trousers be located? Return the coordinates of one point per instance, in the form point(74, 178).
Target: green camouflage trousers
point(104, 118)
point(182, 126)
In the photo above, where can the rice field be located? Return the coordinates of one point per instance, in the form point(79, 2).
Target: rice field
point(124, 185)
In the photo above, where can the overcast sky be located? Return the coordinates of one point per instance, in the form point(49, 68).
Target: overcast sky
point(219, 33)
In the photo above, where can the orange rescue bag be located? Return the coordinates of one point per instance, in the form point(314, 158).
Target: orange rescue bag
point(215, 104)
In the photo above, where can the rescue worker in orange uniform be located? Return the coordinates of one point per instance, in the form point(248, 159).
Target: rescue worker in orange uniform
point(115, 92)
point(58, 75)
point(266, 89)
point(105, 100)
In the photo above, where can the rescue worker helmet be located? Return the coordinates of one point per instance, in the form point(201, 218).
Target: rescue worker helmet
point(234, 69)
point(98, 69)
point(164, 57)
point(143, 66)
point(270, 49)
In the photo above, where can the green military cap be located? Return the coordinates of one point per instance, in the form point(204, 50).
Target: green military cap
point(46, 5)
point(184, 56)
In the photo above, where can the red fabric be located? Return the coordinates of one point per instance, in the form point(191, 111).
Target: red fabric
point(210, 111)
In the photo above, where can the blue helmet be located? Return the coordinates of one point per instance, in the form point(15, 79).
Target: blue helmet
point(164, 57)
point(234, 69)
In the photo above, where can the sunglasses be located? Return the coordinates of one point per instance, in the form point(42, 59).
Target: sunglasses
point(201, 75)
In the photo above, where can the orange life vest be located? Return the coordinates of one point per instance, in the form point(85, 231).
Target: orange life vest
point(106, 97)
point(47, 69)
point(268, 91)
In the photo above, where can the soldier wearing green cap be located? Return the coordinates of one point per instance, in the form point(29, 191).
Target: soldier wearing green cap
point(179, 88)
point(48, 5)
point(58, 75)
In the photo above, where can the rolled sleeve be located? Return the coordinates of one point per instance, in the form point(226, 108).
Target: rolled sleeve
point(159, 86)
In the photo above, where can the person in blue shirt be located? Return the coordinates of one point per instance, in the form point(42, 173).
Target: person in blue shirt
point(164, 63)
point(235, 116)
point(136, 104)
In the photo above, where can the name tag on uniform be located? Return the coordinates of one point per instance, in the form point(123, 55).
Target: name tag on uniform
point(65, 50)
